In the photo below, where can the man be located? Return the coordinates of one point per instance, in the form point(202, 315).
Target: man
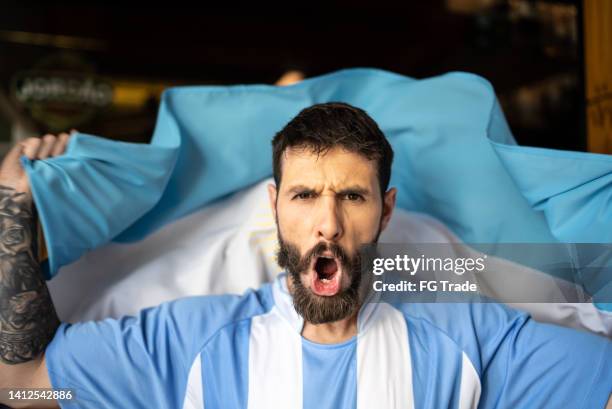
point(307, 340)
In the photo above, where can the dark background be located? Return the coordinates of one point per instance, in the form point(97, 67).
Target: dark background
point(531, 51)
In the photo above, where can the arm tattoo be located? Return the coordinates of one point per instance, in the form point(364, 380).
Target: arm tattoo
point(27, 317)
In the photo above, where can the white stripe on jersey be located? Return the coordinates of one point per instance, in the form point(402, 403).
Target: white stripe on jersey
point(384, 368)
point(469, 394)
point(275, 363)
point(194, 396)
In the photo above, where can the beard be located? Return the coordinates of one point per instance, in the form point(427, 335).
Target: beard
point(314, 308)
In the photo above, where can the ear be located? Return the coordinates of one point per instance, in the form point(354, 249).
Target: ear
point(388, 206)
point(272, 192)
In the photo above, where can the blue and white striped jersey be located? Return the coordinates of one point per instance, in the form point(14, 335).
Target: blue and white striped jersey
point(247, 352)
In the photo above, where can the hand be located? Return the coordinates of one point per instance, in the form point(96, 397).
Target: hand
point(12, 174)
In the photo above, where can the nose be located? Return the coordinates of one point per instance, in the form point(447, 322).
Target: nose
point(329, 226)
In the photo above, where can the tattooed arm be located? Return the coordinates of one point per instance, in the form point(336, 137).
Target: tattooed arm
point(27, 317)
point(28, 320)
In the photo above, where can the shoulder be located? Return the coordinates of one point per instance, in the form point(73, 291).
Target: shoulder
point(508, 353)
point(189, 322)
point(206, 314)
point(476, 329)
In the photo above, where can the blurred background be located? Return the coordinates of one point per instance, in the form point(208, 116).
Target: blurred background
point(100, 67)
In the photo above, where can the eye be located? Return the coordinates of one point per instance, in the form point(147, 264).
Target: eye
point(304, 196)
point(353, 197)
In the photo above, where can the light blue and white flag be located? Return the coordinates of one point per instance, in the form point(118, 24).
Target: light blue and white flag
point(455, 160)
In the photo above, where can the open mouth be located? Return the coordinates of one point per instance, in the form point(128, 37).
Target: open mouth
point(326, 276)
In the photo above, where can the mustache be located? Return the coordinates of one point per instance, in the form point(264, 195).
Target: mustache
point(336, 250)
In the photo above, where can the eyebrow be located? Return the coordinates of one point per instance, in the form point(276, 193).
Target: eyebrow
point(355, 189)
point(351, 189)
point(300, 188)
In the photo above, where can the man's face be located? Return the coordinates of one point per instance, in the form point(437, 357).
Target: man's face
point(327, 206)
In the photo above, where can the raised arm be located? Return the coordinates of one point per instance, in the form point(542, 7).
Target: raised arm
point(28, 320)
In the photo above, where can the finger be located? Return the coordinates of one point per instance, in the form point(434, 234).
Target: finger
point(46, 146)
point(30, 147)
point(60, 145)
point(14, 154)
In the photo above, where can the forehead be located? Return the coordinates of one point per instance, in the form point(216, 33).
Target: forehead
point(335, 166)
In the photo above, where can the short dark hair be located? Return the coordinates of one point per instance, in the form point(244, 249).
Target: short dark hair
point(322, 127)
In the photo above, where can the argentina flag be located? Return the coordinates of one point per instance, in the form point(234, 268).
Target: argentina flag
point(119, 218)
